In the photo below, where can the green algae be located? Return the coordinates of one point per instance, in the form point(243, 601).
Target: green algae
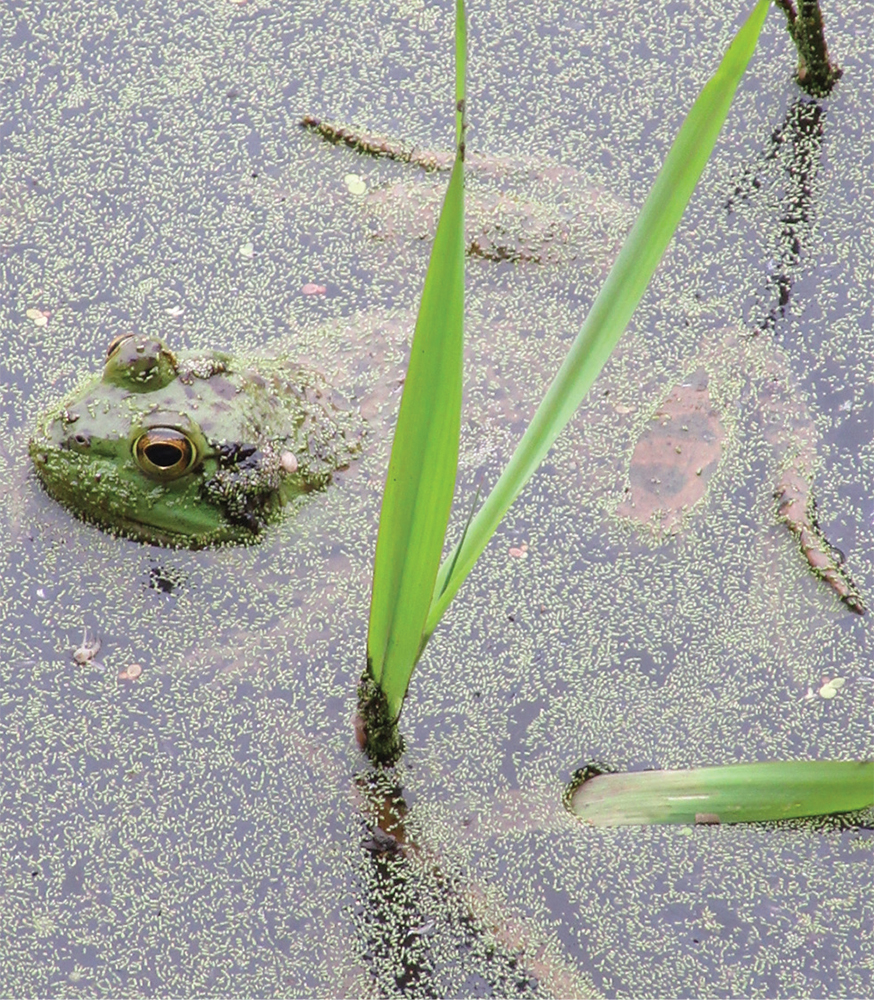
point(200, 829)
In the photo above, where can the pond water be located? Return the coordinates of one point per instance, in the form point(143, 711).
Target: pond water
point(210, 826)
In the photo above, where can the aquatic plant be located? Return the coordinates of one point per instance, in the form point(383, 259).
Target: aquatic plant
point(410, 592)
point(424, 458)
point(734, 793)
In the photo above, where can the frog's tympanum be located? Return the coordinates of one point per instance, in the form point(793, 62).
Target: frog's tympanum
point(194, 448)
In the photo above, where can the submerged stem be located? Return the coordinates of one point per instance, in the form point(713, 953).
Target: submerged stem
point(817, 74)
point(376, 729)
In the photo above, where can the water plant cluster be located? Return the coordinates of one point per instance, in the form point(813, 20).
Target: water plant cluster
point(412, 589)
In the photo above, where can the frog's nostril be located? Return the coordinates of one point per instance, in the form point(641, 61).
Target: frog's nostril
point(83, 440)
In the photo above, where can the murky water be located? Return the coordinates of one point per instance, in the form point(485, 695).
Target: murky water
point(209, 827)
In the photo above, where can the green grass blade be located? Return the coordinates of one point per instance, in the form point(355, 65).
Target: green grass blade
point(421, 473)
point(737, 793)
point(460, 76)
point(424, 458)
point(614, 305)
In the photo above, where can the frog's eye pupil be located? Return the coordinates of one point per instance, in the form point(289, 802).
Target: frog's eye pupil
point(165, 456)
point(164, 453)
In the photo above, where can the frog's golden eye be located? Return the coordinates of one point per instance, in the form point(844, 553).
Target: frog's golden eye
point(114, 343)
point(164, 453)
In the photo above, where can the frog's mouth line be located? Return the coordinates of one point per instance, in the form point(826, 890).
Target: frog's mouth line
point(162, 535)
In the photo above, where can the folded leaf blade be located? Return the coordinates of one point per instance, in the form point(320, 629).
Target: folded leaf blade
point(423, 465)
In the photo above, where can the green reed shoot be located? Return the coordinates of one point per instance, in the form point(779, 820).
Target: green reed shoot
point(424, 458)
point(409, 594)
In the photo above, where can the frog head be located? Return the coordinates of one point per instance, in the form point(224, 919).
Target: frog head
point(172, 449)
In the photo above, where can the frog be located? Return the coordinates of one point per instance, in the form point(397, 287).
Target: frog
point(192, 448)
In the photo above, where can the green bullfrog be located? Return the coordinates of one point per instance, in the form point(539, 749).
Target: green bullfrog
point(192, 448)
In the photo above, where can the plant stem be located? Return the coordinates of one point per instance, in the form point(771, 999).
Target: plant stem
point(376, 729)
point(817, 74)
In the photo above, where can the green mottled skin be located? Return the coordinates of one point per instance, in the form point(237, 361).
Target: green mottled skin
point(235, 441)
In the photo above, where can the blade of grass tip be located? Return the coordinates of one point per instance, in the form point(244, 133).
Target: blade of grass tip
point(460, 77)
point(424, 459)
point(614, 305)
point(736, 793)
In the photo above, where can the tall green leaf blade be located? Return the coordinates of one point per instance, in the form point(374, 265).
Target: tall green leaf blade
point(460, 76)
point(423, 465)
point(736, 793)
point(614, 305)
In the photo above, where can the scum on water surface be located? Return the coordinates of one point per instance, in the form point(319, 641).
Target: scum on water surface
point(206, 828)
